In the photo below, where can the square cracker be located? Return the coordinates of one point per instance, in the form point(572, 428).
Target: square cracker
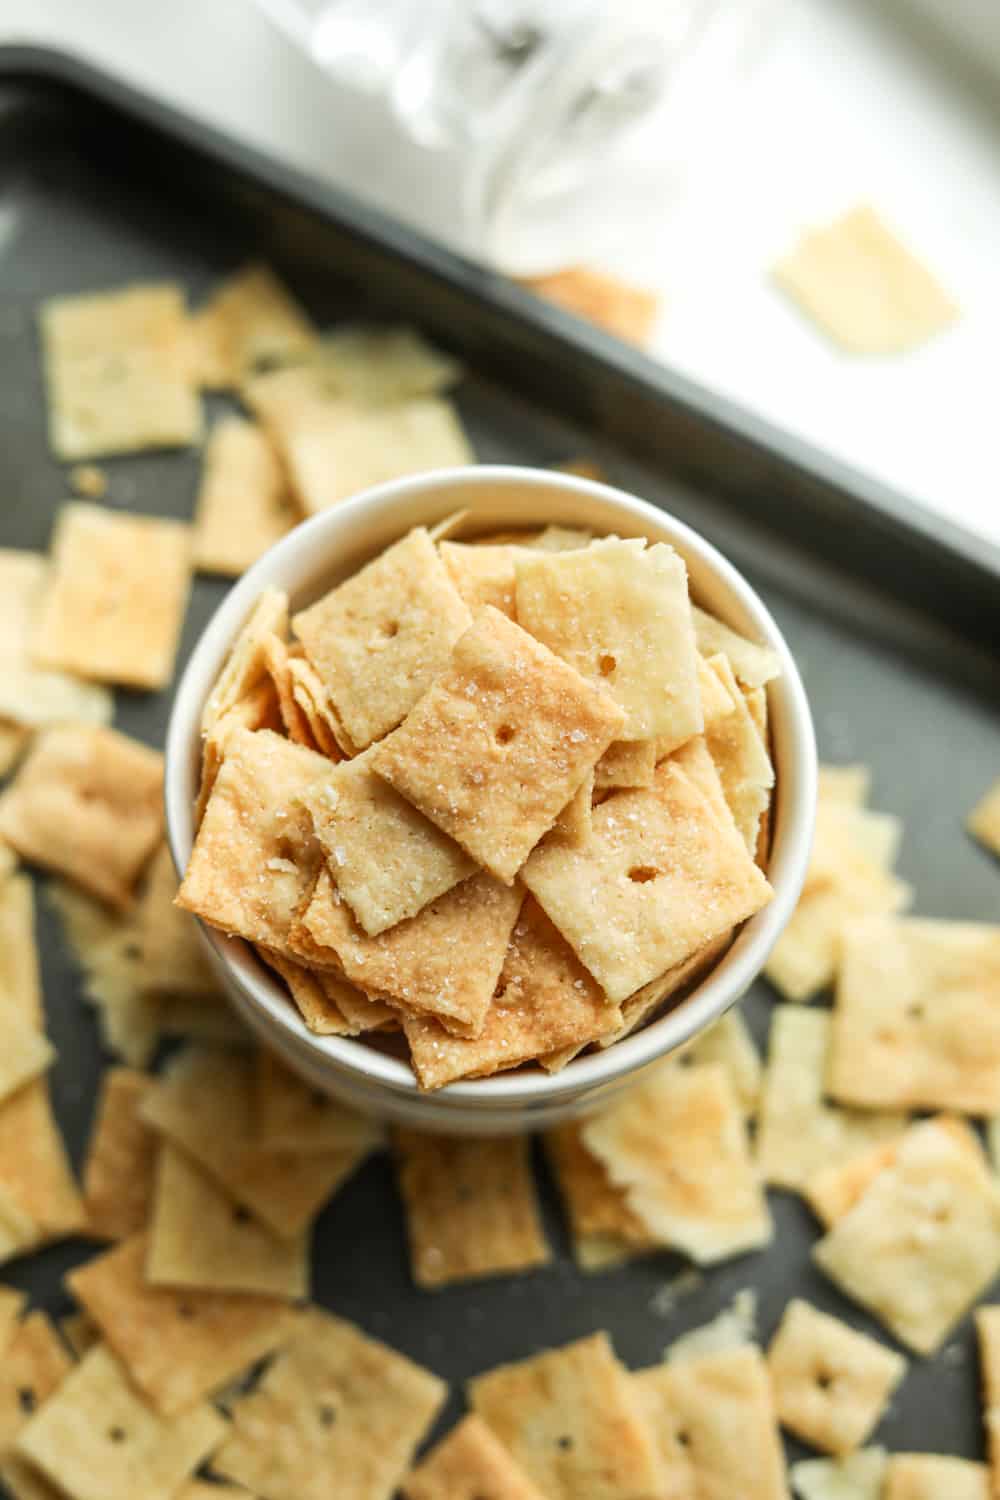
point(469, 1464)
point(657, 880)
point(293, 1116)
point(177, 1345)
point(379, 639)
point(933, 1476)
point(35, 1173)
point(798, 1131)
point(741, 759)
point(387, 859)
point(117, 372)
point(862, 287)
point(916, 1023)
point(498, 745)
point(484, 573)
point(625, 310)
point(87, 802)
point(715, 1425)
point(25, 1053)
point(619, 613)
point(198, 1237)
point(174, 961)
point(116, 596)
point(677, 1145)
point(572, 1419)
point(600, 1218)
point(471, 1207)
point(34, 1364)
point(243, 505)
point(831, 1383)
point(544, 1000)
point(983, 821)
point(119, 1171)
point(378, 366)
point(336, 1413)
point(96, 1439)
point(988, 1338)
point(923, 1242)
point(444, 962)
point(246, 665)
point(255, 856)
point(204, 1103)
point(251, 321)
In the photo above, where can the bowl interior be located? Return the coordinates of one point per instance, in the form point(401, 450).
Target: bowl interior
point(328, 548)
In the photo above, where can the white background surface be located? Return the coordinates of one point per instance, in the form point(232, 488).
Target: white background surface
point(845, 106)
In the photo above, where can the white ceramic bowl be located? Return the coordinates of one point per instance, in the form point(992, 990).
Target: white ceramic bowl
point(331, 546)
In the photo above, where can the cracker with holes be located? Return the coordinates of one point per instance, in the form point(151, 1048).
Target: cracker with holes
point(243, 503)
point(199, 1237)
point(336, 1413)
point(379, 640)
point(444, 962)
point(544, 1000)
point(293, 1116)
point(471, 1207)
point(923, 1242)
point(715, 1426)
point(203, 1103)
point(470, 1462)
point(932, 1476)
point(255, 826)
point(799, 1131)
point(831, 1383)
point(573, 1421)
point(250, 322)
point(87, 803)
point(96, 1435)
point(657, 879)
point(177, 1344)
point(916, 1024)
point(498, 745)
point(677, 1146)
point(119, 1171)
point(619, 613)
point(605, 1230)
point(387, 859)
point(117, 372)
point(35, 1362)
point(116, 596)
point(983, 821)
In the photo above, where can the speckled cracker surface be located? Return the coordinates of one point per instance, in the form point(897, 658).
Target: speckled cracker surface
point(471, 1207)
point(198, 1237)
point(753, 664)
point(923, 1242)
point(243, 502)
point(573, 1421)
point(916, 1024)
point(336, 1413)
point(320, 997)
point(119, 1171)
point(715, 1426)
point(657, 880)
point(87, 802)
point(379, 640)
point(96, 1439)
point(863, 288)
point(619, 613)
point(484, 574)
point(178, 1345)
point(495, 749)
point(254, 855)
point(387, 859)
point(544, 999)
point(626, 763)
point(831, 1383)
point(469, 1464)
point(115, 599)
point(444, 962)
point(934, 1476)
point(799, 1132)
point(203, 1103)
point(34, 1361)
point(117, 372)
point(250, 321)
point(677, 1146)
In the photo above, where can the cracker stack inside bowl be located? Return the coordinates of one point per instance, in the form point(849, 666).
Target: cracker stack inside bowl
point(488, 802)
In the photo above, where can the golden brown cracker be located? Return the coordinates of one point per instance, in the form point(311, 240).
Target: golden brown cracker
point(469, 1464)
point(243, 504)
point(119, 1171)
point(618, 306)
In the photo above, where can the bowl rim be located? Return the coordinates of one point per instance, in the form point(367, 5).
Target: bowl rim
point(725, 982)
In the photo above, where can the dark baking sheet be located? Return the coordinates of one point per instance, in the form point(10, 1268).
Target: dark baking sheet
point(889, 612)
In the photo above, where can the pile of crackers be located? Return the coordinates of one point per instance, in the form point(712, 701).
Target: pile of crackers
point(505, 798)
